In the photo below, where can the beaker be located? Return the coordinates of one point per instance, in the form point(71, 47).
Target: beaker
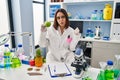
point(101, 75)
point(117, 66)
point(118, 76)
point(102, 65)
point(117, 61)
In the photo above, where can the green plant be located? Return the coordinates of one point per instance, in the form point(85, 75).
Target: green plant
point(38, 52)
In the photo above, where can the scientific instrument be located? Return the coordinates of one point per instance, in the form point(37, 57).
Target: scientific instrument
point(5, 37)
point(97, 33)
point(80, 62)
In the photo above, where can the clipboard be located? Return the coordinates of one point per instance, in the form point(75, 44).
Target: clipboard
point(59, 70)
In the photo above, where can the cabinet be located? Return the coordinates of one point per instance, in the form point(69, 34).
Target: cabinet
point(102, 51)
point(82, 11)
point(115, 30)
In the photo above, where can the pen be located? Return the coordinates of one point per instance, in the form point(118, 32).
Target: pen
point(54, 68)
point(45, 69)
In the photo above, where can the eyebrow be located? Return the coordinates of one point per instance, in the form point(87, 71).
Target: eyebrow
point(60, 16)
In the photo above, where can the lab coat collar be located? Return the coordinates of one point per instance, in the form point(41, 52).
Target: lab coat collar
point(58, 32)
point(64, 33)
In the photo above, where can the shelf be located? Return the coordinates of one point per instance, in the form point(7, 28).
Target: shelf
point(87, 1)
point(81, 11)
point(81, 1)
point(90, 20)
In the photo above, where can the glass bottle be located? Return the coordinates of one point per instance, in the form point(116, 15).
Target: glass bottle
point(16, 62)
point(100, 15)
point(88, 32)
point(6, 50)
point(109, 73)
point(7, 61)
point(20, 52)
point(117, 61)
point(94, 15)
point(1, 56)
point(117, 65)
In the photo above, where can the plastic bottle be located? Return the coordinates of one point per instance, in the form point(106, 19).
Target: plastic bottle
point(94, 15)
point(6, 50)
point(7, 61)
point(1, 56)
point(117, 65)
point(1, 60)
point(107, 12)
point(20, 52)
point(109, 73)
point(100, 15)
point(88, 32)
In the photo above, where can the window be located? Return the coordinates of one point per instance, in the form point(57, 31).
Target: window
point(4, 19)
point(39, 0)
point(39, 18)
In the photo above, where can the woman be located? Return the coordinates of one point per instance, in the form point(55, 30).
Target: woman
point(60, 39)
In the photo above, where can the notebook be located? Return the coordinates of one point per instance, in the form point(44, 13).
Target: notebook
point(59, 70)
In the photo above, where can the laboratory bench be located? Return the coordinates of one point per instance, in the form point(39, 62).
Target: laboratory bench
point(21, 73)
point(102, 50)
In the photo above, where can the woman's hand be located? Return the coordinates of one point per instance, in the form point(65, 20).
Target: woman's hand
point(43, 28)
point(77, 31)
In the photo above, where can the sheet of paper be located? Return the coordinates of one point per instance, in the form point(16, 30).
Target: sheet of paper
point(59, 69)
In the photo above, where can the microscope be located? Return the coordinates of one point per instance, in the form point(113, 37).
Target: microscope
point(97, 33)
point(80, 62)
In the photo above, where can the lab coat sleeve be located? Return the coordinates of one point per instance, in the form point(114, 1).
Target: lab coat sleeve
point(74, 41)
point(43, 41)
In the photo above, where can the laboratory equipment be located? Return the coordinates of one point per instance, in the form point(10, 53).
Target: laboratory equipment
point(100, 15)
point(80, 62)
point(20, 52)
point(16, 62)
point(107, 12)
point(7, 62)
point(117, 66)
point(101, 75)
point(97, 32)
point(7, 56)
point(117, 62)
point(5, 37)
point(94, 15)
point(102, 65)
point(109, 73)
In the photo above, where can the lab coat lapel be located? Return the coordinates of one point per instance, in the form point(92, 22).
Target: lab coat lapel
point(64, 36)
point(56, 32)
point(66, 32)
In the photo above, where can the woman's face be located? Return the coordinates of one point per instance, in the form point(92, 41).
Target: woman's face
point(61, 19)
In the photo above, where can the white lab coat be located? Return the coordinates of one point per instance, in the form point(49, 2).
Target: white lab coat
point(57, 45)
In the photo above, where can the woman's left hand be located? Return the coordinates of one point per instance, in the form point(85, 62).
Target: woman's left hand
point(77, 31)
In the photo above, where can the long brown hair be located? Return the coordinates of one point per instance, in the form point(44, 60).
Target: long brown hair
point(55, 24)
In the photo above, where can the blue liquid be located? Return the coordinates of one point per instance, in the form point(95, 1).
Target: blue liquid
point(7, 62)
point(7, 65)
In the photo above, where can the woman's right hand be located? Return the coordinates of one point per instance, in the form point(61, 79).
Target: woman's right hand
point(43, 28)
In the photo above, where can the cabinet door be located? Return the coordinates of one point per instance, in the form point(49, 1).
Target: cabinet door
point(103, 51)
